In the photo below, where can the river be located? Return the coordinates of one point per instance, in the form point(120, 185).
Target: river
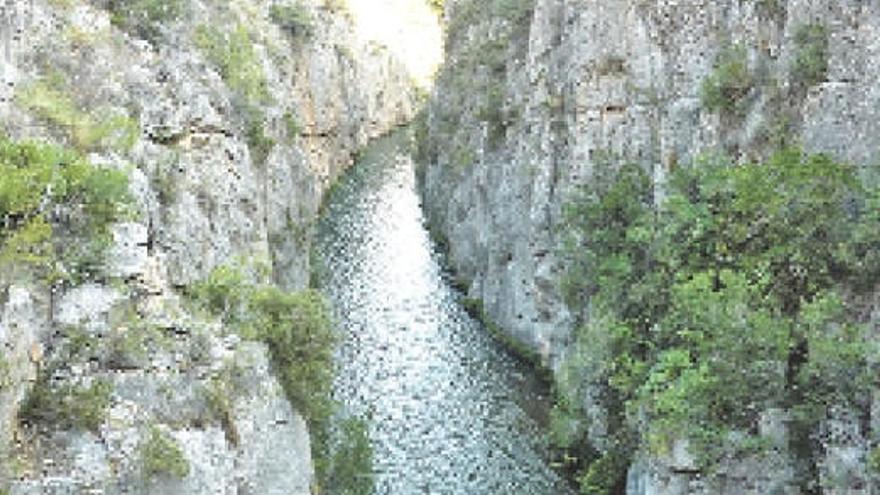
point(451, 411)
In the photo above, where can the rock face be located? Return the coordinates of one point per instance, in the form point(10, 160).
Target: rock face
point(577, 81)
point(531, 102)
point(223, 165)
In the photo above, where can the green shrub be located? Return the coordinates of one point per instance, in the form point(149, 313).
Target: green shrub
point(874, 460)
point(810, 64)
point(36, 179)
point(729, 83)
point(234, 55)
point(720, 304)
point(4, 372)
point(296, 327)
point(161, 456)
point(132, 341)
point(50, 100)
point(67, 406)
point(292, 18)
point(350, 470)
point(144, 18)
point(258, 142)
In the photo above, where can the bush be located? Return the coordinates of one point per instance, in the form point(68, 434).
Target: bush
point(296, 327)
point(144, 18)
point(350, 470)
point(292, 18)
point(51, 102)
point(235, 57)
point(729, 83)
point(38, 181)
point(722, 303)
point(4, 372)
point(810, 64)
point(67, 406)
point(162, 456)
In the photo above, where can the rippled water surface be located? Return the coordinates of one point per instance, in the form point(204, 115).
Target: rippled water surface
point(448, 405)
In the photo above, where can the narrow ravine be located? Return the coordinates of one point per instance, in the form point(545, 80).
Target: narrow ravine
point(448, 406)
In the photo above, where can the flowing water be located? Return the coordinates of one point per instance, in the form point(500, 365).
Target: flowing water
point(451, 412)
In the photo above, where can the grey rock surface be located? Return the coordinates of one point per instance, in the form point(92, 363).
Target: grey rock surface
point(204, 197)
point(512, 134)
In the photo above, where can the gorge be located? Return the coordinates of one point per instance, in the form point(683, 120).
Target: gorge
point(444, 246)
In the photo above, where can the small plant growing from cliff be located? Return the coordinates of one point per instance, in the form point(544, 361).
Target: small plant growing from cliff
point(36, 179)
point(350, 469)
point(162, 456)
point(234, 55)
point(295, 326)
point(810, 64)
point(4, 371)
point(67, 406)
point(50, 100)
point(144, 18)
point(293, 18)
point(729, 83)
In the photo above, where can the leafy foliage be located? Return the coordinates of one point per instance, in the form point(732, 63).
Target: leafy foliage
point(293, 18)
point(144, 18)
point(720, 304)
point(810, 63)
point(350, 468)
point(234, 55)
point(729, 83)
point(67, 406)
point(162, 456)
point(38, 181)
point(50, 101)
point(296, 327)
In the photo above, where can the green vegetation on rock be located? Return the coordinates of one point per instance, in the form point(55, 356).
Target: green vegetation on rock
point(162, 456)
point(4, 371)
point(725, 302)
point(144, 18)
point(296, 328)
point(810, 63)
point(234, 55)
point(39, 181)
point(50, 100)
point(67, 406)
point(729, 83)
point(293, 18)
point(351, 464)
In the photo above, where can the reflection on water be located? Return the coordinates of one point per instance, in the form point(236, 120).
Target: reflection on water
point(447, 404)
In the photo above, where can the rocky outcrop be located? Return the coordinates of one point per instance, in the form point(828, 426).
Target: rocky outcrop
point(529, 104)
point(513, 132)
point(223, 165)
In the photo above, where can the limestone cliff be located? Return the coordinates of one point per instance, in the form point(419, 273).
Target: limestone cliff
point(231, 120)
point(535, 94)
